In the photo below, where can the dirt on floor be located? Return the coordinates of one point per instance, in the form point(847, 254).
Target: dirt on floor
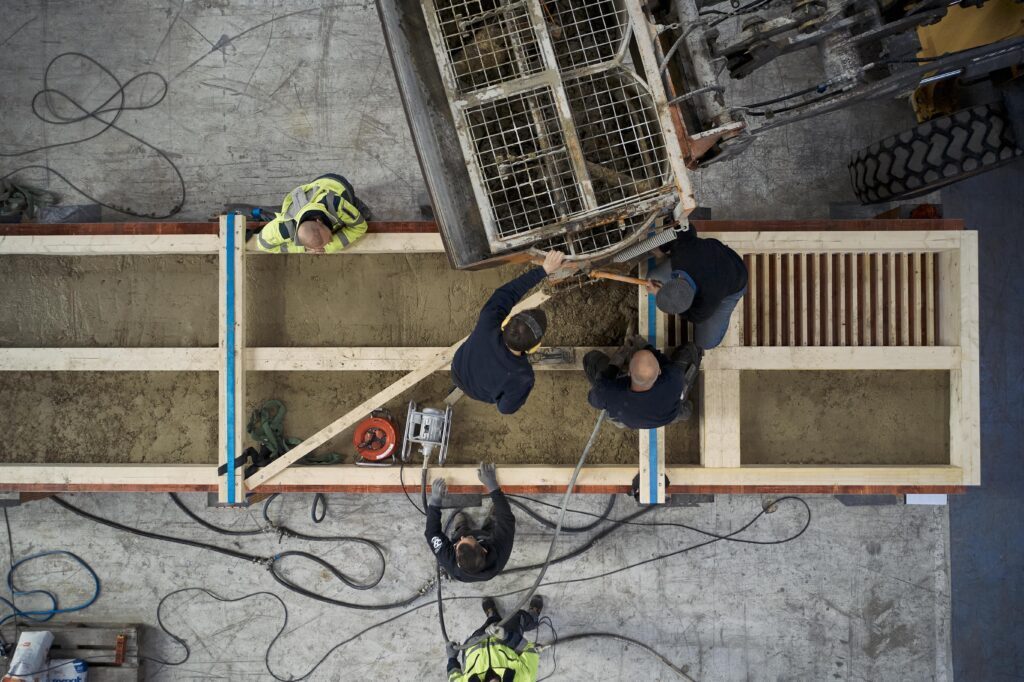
point(386, 300)
point(844, 417)
point(133, 417)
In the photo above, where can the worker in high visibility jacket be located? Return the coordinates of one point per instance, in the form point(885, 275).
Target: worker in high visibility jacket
point(323, 216)
point(493, 658)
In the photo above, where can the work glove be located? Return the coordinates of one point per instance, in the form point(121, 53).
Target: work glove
point(438, 489)
point(451, 649)
point(488, 475)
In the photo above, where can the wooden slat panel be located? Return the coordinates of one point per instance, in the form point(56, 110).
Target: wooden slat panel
point(822, 358)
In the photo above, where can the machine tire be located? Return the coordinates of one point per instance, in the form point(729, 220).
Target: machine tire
point(934, 154)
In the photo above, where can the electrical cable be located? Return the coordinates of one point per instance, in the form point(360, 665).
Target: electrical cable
point(551, 547)
point(269, 563)
point(43, 615)
point(514, 499)
point(51, 116)
point(401, 481)
point(319, 501)
point(714, 537)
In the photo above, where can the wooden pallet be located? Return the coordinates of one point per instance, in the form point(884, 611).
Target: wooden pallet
point(112, 651)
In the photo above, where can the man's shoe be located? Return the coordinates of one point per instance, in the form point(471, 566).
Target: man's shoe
point(536, 605)
point(490, 608)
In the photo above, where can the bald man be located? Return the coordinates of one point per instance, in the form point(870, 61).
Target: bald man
point(647, 395)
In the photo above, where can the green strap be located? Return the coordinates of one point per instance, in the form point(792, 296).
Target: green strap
point(266, 427)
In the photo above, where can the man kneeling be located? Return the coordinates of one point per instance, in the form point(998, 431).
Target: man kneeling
point(649, 394)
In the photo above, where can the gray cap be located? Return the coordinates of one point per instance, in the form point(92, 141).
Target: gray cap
point(675, 296)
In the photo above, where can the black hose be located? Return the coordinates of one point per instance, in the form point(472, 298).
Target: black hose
point(514, 499)
point(270, 563)
point(440, 600)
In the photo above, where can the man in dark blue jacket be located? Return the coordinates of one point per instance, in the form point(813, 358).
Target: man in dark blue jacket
point(648, 397)
point(491, 366)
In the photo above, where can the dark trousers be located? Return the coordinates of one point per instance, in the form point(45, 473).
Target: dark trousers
point(514, 629)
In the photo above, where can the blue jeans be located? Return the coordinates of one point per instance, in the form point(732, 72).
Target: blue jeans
point(709, 333)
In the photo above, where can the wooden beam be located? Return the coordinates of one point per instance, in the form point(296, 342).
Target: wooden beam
point(833, 358)
point(376, 242)
point(958, 306)
point(231, 359)
point(720, 417)
point(350, 418)
point(652, 325)
point(65, 477)
point(109, 359)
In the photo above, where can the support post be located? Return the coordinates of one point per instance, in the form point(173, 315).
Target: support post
point(231, 373)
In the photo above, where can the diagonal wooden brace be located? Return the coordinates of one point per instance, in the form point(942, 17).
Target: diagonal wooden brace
point(350, 418)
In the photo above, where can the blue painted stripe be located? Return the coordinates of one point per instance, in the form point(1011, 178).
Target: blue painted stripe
point(652, 434)
point(230, 343)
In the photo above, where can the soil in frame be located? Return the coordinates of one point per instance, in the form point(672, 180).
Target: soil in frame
point(399, 300)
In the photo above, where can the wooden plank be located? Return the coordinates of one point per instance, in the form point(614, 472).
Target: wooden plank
point(958, 305)
point(374, 242)
point(903, 282)
point(867, 323)
point(828, 302)
point(141, 244)
point(878, 290)
point(720, 418)
point(929, 298)
point(651, 325)
point(816, 284)
point(704, 226)
point(842, 339)
point(790, 284)
point(916, 300)
point(833, 358)
point(853, 299)
point(350, 418)
point(803, 299)
point(752, 311)
point(765, 302)
point(263, 359)
point(514, 478)
point(107, 359)
point(776, 268)
point(231, 369)
point(891, 314)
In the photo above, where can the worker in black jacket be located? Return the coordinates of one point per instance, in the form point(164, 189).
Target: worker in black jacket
point(472, 555)
point(647, 396)
point(491, 366)
point(702, 281)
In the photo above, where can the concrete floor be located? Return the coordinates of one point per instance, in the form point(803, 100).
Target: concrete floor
point(260, 99)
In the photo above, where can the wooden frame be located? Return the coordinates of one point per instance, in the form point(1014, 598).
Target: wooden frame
point(952, 306)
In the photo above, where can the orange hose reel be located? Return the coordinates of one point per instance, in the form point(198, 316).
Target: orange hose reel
point(376, 437)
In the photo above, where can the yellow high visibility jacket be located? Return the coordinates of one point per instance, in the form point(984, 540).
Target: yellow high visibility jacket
point(492, 654)
point(327, 198)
